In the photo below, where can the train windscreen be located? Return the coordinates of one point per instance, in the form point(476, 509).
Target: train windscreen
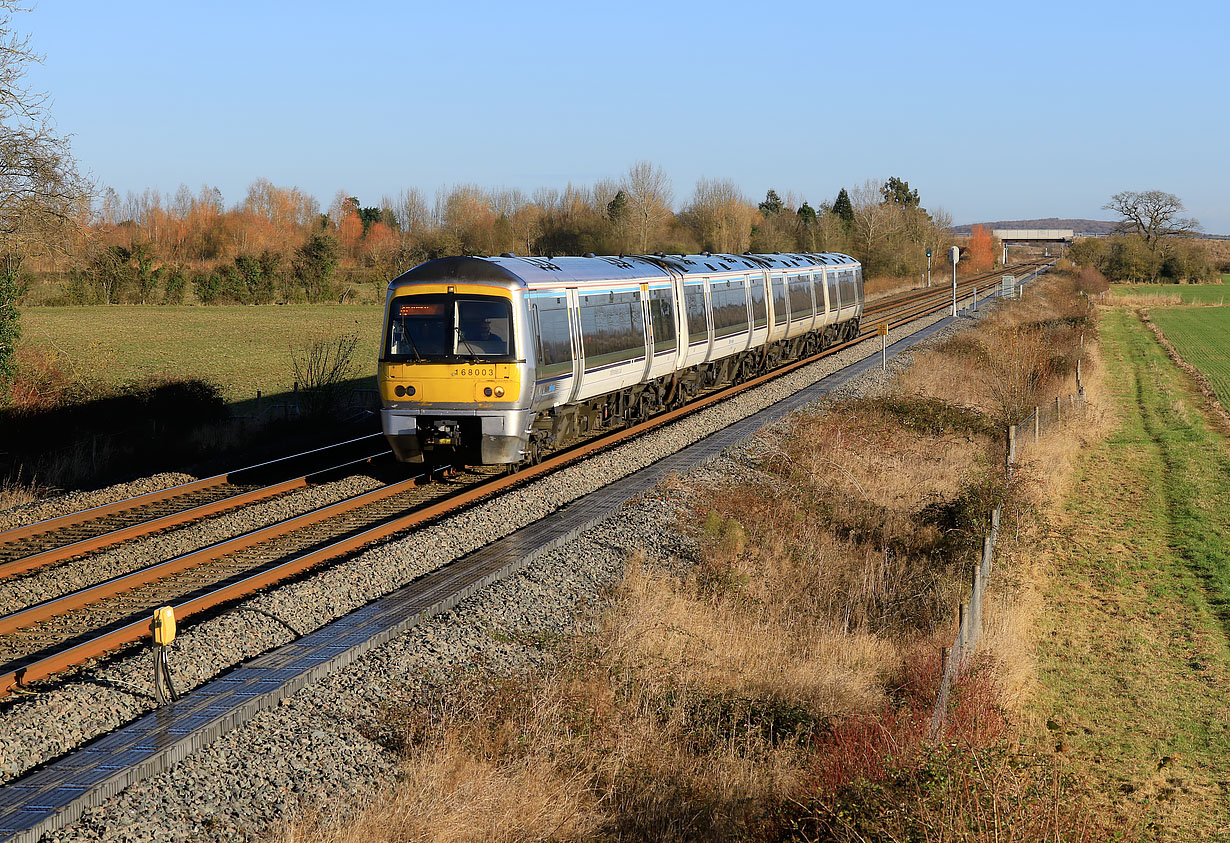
point(439, 327)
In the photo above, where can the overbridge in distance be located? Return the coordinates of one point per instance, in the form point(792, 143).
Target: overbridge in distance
point(1033, 235)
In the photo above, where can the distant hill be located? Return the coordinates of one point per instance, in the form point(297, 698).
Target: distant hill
point(1079, 226)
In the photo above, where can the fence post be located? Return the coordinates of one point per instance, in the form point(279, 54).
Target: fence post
point(1080, 384)
point(941, 699)
point(976, 607)
point(1037, 423)
point(962, 633)
point(1011, 447)
point(995, 525)
point(1058, 416)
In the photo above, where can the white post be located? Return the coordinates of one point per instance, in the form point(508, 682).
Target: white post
point(954, 256)
point(928, 270)
point(883, 352)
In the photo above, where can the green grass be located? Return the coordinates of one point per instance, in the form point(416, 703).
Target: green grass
point(1133, 658)
point(242, 349)
point(1190, 293)
point(1202, 337)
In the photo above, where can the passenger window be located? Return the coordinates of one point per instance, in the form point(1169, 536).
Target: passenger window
point(760, 312)
point(554, 339)
point(662, 319)
point(781, 310)
point(729, 307)
point(697, 313)
point(800, 297)
point(612, 328)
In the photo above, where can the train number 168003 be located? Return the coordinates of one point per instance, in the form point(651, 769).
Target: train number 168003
point(474, 372)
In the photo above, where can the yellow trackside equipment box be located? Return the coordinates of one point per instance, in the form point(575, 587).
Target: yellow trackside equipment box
point(164, 626)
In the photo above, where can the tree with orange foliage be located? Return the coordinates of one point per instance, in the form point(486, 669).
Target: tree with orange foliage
point(381, 242)
point(350, 232)
point(981, 253)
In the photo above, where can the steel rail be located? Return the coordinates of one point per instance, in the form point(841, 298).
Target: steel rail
point(175, 519)
point(923, 293)
point(94, 513)
point(170, 567)
point(58, 661)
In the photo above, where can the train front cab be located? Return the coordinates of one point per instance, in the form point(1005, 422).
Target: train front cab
point(451, 373)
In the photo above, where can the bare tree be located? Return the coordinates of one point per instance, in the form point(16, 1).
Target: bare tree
point(720, 216)
point(42, 197)
point(410, 210)
point(1153, 214)
point(648, 189)
point(875, 221)
point(39, 185)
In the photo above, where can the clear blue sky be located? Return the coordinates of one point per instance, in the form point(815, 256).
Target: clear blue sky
point(992, 110)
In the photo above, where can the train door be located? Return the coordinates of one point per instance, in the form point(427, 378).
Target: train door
point(555, 371)
point(647, 327)
point(823, 305)
point(578, 347)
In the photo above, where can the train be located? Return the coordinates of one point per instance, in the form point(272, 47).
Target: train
point(494, 360)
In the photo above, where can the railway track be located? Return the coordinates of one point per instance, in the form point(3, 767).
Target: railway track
point(42, 640)
point(44, 543)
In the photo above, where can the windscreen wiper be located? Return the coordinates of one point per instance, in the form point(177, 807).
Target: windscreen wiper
point(418, 358)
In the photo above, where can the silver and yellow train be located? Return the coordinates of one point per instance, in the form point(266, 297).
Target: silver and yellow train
point(491, 360)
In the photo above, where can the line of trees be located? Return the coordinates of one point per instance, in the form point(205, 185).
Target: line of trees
point(277, 244)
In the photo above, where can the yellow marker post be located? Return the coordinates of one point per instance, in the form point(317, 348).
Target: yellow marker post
point(163, 628)
point(882, 330)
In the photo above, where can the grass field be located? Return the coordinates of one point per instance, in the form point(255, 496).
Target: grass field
point(1133, 658)
point(1190, 293)
point(242, 349)
point(1202, 336)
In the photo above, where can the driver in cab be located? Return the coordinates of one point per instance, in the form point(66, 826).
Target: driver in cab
point(477, 338)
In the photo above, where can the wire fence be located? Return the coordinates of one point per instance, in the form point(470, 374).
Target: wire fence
point(957, 659)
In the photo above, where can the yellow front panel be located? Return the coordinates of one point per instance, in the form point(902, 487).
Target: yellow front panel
point(450, 383)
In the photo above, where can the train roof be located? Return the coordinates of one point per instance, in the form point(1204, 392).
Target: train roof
point(510, 269)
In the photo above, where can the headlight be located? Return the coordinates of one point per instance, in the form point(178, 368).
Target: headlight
point(499, 392)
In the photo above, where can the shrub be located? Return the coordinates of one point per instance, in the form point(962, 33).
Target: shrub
point(315, 262)
point(174, 284)
point(322, 367)
point(1091, 281)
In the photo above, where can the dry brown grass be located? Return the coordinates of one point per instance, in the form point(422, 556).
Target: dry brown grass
point(15, 493)
point(878, 288)
point(1148, 299)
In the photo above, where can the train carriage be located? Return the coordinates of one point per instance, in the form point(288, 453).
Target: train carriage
point(488, 360)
